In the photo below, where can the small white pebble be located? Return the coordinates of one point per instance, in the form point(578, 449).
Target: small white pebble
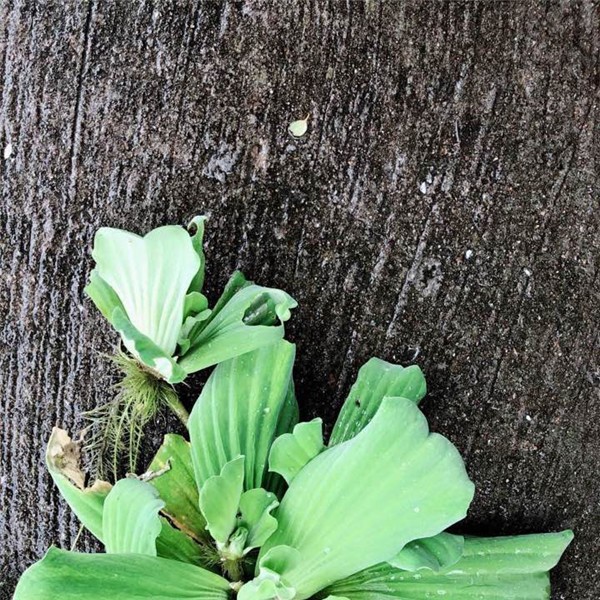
point(423, 188)
point(468, 254)
point(528, 418)
point(527, 272)
point(7, 151)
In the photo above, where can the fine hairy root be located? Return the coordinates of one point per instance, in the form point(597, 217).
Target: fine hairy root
point(117, 427)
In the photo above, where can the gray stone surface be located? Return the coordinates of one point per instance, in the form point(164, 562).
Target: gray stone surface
point(442, 209)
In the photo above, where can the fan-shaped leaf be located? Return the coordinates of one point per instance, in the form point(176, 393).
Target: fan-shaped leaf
point(360, 502)
point(255, 508)
point(376, 380)
point(131, 522)
point(291, 451)
point(150, 275)
point(220, 499)
point(239, 412)
point(64, 575)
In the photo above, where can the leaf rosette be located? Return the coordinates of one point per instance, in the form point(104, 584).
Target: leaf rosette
point(257, 505)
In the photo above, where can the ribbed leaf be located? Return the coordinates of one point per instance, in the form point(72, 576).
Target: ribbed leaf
point(376, 380)
point(239, 412)
point(103, 296)
point(196, 225)
point(292, 451)
point(151, 276)
point(360, 502)
point(435, 553)
point(131, 522)
point(177, 486)
point(232, 331)
point(220, 499)
point(62, 460)
point(64, 575)
point(269, 584)
point(509, 568)
point(146, 350)
point(255, 516)
point(176, 545)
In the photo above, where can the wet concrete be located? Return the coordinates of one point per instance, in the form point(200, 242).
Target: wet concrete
point(441, 209)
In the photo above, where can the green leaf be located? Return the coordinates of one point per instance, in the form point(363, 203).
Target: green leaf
point(239, 412)
point(150, 275)
point(131, 522)
point(103, 296)
point(62, 460)
point(435, 553)
point(176, 545)
point(255, 508)
point(220, 499)
point(376, 380)
point(360, 502)
point(504, 568)
point(62, 575)
point(298, 128)
point(176, 485)
point(288, 418)
point(197, 225)
point(269, 583)
point(292, 451)
point(146, 350)
point(227, 334)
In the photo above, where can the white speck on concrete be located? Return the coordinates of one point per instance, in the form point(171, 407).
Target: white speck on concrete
point(7, 151)
point(528, 418)
point(468, 254)
point(423, 187)
point(527, 272)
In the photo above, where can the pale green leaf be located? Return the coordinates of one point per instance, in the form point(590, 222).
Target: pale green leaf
point(220, 499)
point(196, 225)
point(291, 451)
point(504, 568)
point(62, 575)
point(360, 502)
point(435, 553)
point(131, 522)
point(287, 420)
point(231, 331)
point(177, 486)
point(146, 350)
point(376, 380)
point(150, 275)
point(62, 460)
point(255, 507)
point(239, 412)
point(269, 583)
point(298, 128)
point(103, 296)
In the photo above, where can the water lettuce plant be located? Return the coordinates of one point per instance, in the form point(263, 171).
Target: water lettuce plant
point(150, 290)
point(259, 506)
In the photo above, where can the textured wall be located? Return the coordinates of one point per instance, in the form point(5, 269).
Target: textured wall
point(443, 208)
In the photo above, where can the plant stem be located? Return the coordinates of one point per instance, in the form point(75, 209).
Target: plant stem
point(174, 403)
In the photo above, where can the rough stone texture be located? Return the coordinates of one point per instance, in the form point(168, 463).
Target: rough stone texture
point(442, 208)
